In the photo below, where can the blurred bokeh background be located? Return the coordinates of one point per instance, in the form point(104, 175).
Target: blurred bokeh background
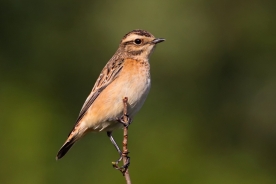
point(210, 116)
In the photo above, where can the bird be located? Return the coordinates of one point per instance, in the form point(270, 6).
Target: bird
point(126, 74)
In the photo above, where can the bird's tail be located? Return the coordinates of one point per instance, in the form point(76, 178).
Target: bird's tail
point(74, 135)
point(65, 148)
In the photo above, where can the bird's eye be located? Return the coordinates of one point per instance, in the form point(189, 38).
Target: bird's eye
point(138, 41)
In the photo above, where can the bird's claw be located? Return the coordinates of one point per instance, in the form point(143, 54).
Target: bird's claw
point(124, 167)
point(122, 120)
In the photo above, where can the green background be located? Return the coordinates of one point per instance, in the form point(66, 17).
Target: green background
point(209, 118)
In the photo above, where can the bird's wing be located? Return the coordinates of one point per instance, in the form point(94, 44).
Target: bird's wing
point(109, 73)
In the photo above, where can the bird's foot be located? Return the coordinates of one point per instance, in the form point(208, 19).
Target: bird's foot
point(123, 168)
point(125, 120)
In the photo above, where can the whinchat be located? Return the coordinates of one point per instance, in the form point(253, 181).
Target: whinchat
point(127, 74)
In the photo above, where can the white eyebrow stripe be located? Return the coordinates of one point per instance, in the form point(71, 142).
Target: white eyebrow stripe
point(132, 37)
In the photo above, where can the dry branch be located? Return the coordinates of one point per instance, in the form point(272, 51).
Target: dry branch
point(126, 159)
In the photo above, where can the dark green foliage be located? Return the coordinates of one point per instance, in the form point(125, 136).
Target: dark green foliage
point(210, 115)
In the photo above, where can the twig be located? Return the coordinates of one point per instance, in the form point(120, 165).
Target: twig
point(126, 159)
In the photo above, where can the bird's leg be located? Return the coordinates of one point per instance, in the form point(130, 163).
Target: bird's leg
point(125, 120)
point(109, 134)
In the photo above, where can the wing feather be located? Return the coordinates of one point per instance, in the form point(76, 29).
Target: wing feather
point(109, 73)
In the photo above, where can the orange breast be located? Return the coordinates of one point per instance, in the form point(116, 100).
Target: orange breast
point(133, 82)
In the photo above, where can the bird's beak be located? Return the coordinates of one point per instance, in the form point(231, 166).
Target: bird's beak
point(158, 40)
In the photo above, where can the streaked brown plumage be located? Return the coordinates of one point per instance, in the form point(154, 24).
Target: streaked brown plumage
point(127, 74)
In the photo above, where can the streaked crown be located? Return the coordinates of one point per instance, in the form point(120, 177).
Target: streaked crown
point(139, 43)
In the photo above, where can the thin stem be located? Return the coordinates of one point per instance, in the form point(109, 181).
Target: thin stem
point(125, 120)
point(126, 159)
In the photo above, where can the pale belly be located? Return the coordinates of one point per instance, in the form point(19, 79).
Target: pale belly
point(109, 104)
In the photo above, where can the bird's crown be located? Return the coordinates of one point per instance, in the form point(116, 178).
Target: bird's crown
point(139, 43)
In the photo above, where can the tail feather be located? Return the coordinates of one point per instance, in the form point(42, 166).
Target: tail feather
point(77, 132)
point(64, 149)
